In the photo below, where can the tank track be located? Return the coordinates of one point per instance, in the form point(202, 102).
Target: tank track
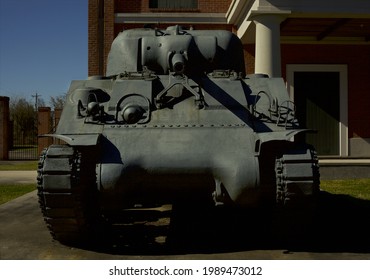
point(297, 178)
point(65, 193)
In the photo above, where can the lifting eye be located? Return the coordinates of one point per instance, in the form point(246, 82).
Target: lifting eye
point(132, 113)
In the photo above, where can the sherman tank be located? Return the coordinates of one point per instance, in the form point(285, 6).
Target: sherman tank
point(174, 118)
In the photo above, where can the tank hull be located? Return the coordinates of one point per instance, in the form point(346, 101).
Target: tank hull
point(179, 160)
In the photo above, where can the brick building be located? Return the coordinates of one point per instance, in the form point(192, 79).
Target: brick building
point(320, 47)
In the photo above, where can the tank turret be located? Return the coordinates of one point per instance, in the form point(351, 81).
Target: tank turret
point(175, 50)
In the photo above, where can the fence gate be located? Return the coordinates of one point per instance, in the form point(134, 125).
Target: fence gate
point(23, 142)
point(22, 133)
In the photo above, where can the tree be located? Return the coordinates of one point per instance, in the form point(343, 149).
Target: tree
point(23, 115)
point(58, 102)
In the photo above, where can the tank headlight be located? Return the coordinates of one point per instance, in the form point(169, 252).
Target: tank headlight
point(132, 113)
point(93, 108)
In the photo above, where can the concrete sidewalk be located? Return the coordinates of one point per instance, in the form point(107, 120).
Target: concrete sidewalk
point(18, 177)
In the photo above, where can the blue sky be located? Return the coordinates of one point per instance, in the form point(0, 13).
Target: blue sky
point(43, 46)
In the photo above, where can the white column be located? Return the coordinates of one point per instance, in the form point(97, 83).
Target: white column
point(268, 57)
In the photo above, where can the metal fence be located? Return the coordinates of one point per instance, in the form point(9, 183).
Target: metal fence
point(23, 142)
point(19, 133)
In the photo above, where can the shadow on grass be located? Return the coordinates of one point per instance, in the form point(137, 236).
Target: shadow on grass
point(340, 224)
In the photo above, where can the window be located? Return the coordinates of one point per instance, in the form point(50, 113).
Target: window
point(173, 4)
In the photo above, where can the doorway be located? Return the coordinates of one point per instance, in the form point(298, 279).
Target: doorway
point(320, 95)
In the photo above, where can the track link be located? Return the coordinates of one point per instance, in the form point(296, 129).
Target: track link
point(297, 189)
point(297, 177)
point(65, 190)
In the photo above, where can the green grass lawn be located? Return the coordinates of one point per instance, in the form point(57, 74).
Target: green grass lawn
point(358, 188)
point(15, 165)
point(11, 191)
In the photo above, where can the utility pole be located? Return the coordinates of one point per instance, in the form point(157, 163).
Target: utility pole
point(36, 96)
point(36, 124)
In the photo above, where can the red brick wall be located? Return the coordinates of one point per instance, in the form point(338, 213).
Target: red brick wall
point(249, 58)
point(132, 6)
point(93, 43)
point(101, 34)
point(357, 58)
point(204, 6)
point(109, 34)
point(44, 125)
point(4, 127)
point(214, 6)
